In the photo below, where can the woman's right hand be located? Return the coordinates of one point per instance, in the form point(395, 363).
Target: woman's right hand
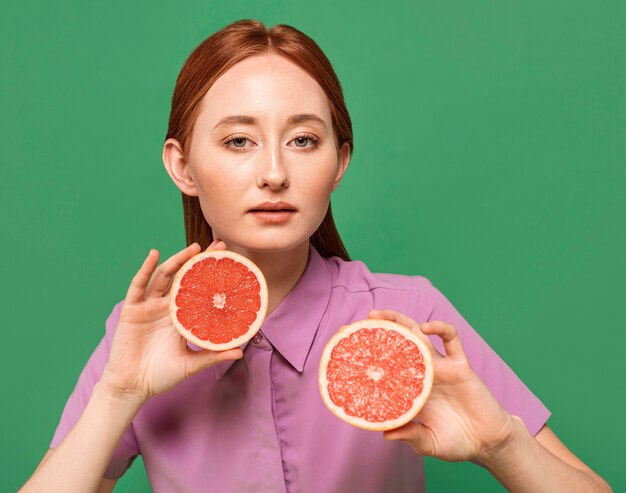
point(148, 356)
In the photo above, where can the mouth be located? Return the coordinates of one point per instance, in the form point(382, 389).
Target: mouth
point(273, 212)
point(273, 207)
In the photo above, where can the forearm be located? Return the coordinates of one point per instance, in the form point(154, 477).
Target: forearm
point(524, 465)
point(78, 464)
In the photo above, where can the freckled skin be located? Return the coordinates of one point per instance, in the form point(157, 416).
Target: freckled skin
point(271, 160)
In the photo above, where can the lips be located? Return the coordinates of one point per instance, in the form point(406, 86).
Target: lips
point(273, 207)
point(273, 213)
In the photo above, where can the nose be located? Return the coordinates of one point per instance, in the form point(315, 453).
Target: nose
point(272, 170)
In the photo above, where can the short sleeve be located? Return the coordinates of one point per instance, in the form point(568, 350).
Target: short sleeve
point(512, 394)
point(128, 448)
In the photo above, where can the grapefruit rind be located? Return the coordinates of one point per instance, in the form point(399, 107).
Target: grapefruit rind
point(254, 326)
point(362, 423)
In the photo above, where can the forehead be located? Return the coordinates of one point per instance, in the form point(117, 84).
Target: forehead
point(267, 85)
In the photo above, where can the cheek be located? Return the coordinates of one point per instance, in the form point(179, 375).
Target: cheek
point(320, 177)
point(320, 190)
point(214, 184)
point(318, 197)
point(313, 188)
point(216, 198)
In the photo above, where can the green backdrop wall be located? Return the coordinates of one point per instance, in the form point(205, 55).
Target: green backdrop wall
point(490, 157)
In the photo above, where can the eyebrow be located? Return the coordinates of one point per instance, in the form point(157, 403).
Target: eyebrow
point(306, 118)
point(249, 120)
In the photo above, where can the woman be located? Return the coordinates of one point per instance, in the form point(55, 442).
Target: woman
point(259, 137)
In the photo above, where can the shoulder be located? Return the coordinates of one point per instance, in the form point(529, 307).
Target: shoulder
point(415, 295)
point(355, 276)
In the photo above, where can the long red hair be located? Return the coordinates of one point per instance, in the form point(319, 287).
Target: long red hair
point(213, 57)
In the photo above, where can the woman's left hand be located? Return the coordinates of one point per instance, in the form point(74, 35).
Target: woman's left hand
point(461, 420)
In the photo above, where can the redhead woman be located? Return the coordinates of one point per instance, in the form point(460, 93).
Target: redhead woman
point(259, 137)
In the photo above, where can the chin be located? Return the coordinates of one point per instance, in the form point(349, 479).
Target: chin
point(270, 243)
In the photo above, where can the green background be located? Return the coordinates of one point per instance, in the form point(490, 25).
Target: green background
point(490, 157)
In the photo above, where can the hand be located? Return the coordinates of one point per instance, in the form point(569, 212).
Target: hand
point(148, 356)
point(461, 419)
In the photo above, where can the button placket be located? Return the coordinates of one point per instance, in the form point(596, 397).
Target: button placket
point(269, 458)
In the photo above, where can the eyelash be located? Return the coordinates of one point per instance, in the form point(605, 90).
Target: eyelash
point(311, 137)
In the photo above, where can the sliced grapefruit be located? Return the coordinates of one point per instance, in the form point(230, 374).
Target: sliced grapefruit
point(218, 300)
point(375, 374)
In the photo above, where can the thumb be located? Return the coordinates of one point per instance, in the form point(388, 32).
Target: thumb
point(216, 244)
point(416, 435)
point(199, 360)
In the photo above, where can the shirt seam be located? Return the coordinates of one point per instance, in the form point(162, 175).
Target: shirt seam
point(354, 291)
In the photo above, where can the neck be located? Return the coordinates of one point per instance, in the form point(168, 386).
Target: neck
point(282, 271)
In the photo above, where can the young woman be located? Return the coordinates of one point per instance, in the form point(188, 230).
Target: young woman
point(258, 139)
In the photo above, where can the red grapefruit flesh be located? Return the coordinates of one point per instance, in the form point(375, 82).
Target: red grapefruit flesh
point(218, 300)
point(375, 374)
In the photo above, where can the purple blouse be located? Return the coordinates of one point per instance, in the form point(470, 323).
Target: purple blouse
point(259, 424)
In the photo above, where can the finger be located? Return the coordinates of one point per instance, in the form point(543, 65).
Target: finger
point(216, 244)
point(416, 435)
point(203, 359)
point(448, 334)
point(163, 275)
point(138, 284)
point(394, 316)
point(401, 319)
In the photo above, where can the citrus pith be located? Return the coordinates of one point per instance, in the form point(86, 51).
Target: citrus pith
point(218, 300)
point(375, 374)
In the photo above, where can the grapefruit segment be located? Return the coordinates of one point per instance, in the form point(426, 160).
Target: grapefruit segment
point(218, 300)
point(375, 374)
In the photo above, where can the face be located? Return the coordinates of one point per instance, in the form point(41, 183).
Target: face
point(263, 160)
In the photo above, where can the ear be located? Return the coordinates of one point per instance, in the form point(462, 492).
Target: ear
point(344, 160)
point(177, 167)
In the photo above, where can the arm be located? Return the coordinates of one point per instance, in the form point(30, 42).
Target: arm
point(106, 485)
point(542, 463)
point(147, 357)
point(463, 421)
point(78, 464)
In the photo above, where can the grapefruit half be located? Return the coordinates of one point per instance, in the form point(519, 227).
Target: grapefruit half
point(218, 300)
point(375, 374)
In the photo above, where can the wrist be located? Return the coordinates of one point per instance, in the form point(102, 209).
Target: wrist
point(126, 398)
point(510, 448)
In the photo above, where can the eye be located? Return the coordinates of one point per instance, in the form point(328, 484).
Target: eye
point(302, 141)
point(236, 142)
point(239, 141)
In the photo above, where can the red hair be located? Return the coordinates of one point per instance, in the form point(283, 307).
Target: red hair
point(212, 58)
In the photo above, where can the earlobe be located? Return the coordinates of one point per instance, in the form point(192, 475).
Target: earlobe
point(344, 160)
point(177, 167)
